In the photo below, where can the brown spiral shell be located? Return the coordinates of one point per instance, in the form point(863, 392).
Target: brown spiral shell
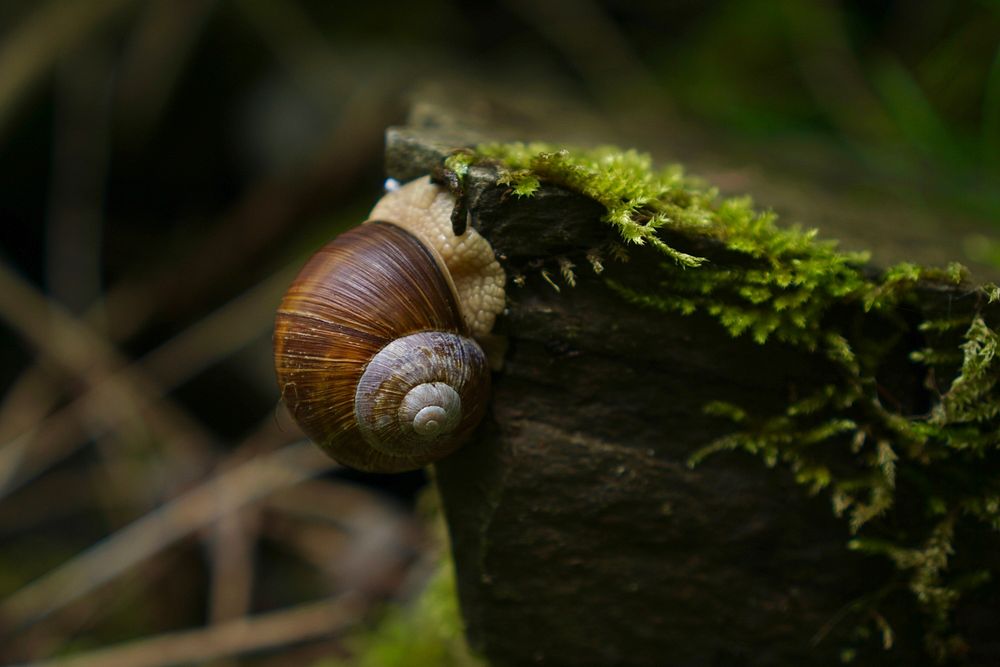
point(372, 355)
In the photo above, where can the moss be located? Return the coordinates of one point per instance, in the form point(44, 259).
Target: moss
point(427, 633)
point(724, 258)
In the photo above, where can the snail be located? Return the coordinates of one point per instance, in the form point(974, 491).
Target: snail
point(375, 341)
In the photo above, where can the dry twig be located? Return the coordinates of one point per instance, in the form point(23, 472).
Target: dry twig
point(307, 621)
point(177, 519)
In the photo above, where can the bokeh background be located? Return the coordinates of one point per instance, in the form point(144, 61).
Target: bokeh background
point(165, 166)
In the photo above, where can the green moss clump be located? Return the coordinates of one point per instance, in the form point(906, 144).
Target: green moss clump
point(725, 259)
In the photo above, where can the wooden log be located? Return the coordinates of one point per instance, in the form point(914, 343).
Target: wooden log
point(580, 533)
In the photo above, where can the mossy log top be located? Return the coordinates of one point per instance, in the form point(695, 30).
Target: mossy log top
point(738, 447)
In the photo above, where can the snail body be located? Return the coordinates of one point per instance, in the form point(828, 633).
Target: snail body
point(374, 343)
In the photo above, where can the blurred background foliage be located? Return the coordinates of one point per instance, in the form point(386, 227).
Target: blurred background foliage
point(165, 165)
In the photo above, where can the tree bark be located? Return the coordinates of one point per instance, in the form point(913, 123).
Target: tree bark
point(580, 534)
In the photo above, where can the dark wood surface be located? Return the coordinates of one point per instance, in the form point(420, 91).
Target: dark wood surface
point(580, 535)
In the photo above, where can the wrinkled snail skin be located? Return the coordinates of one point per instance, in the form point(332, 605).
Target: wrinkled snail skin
point(374, 351)
point(425, 210)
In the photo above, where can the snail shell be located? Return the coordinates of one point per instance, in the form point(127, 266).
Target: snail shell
point(373, 349)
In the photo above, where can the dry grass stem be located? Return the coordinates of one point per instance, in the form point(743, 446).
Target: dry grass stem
point(232, 542)
point(30, 50)
point(152, 533)
point(219, 334)
point(78, 181)
point(357, 539)
point(86, 354)
point(215, 337)
point(307, 621)
point(166, 34)
point(254, 222)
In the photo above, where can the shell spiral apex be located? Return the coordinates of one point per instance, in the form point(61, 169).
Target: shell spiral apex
point(373, 344)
